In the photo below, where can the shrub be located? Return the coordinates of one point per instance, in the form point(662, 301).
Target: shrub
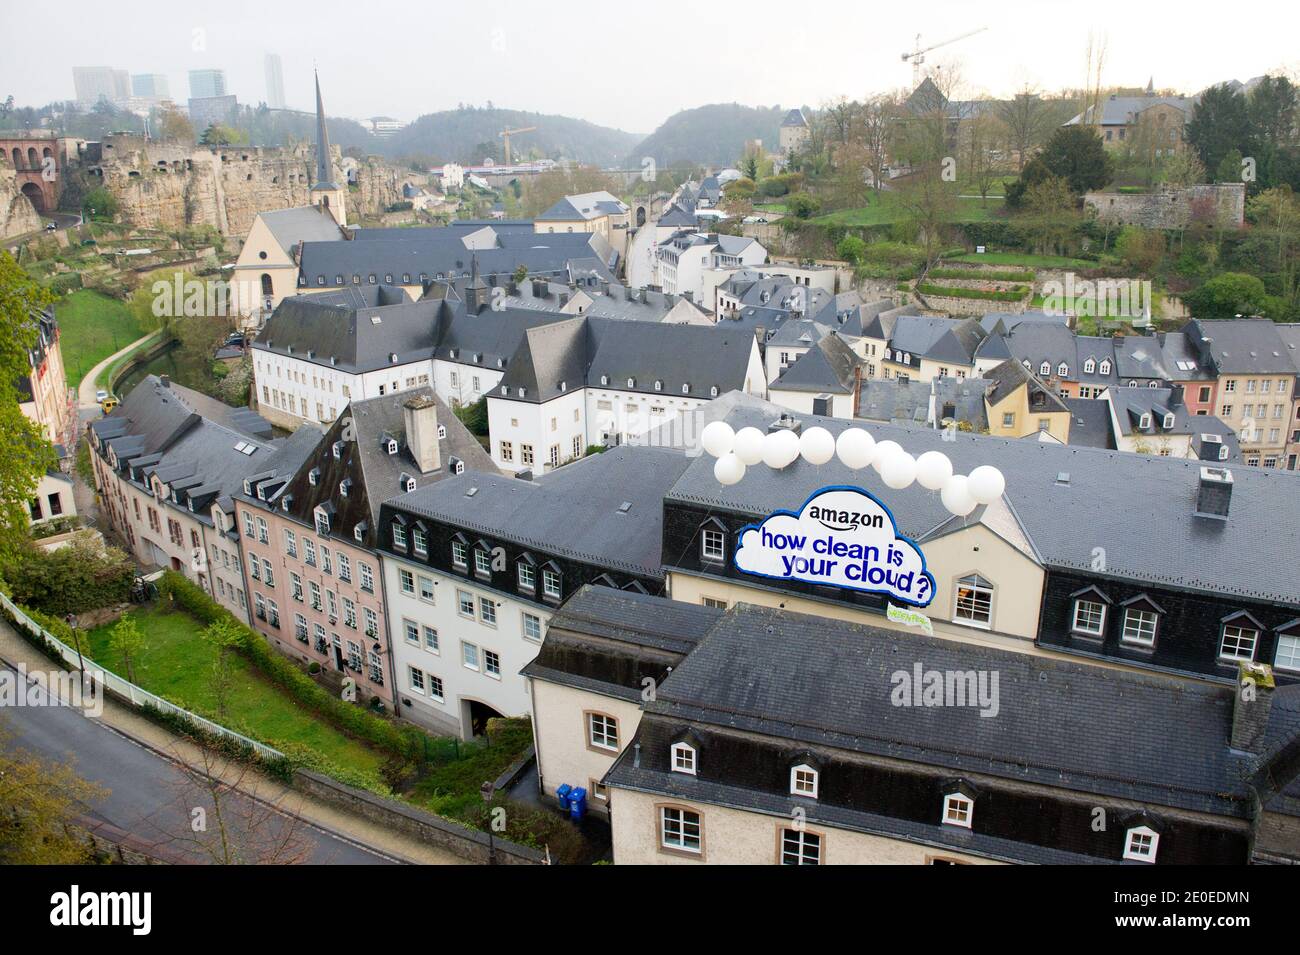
point(993, 275)
point(927, 288)
point(83, 576)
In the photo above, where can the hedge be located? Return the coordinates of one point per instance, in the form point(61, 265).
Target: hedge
point(408, 742)
point(925, 288)
point(979, 274)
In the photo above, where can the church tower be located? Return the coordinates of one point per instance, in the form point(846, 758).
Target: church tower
point(326, 191)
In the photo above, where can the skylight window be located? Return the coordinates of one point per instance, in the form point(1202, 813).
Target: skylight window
point(243, 447)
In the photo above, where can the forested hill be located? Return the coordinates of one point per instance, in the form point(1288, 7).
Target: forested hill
point(470, 135)
point(713, 134)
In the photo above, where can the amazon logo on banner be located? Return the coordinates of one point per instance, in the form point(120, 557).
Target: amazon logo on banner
point(857, 548)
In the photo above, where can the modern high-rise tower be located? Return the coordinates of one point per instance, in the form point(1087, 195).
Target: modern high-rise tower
point(274, 81)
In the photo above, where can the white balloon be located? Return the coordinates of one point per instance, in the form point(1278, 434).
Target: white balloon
point(780, 448)
point(855, 447)
point(956, 496)
point(817, 445)
point(718, 438)
point(933, 470)
point(899, 470)
point(884, 451)
point(749, 446)
point(728, 469)
point(986, 484)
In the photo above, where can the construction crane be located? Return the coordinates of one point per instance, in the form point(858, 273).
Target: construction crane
point(917, 56)
point(505, 134)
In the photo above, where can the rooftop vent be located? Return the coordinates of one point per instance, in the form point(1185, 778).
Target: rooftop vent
point(1063, 478)
point(1214, 494)
point(785, 423)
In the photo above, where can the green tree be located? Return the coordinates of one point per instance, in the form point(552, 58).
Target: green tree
point(1220, 124)
point(1141, 249)
point(1227, 296)
point(1077, 155)
point(219, 134)
point(28, 453)
point(1050, 217)
point(851, 249)
point(126, 640)
point(802, 205)
point(224, 635)
point(99, 205)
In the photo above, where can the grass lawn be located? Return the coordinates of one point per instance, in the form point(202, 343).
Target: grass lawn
point(452, 789)
point(91, 327)
point(886, 210)
point(1023, 259)
point(177, 664)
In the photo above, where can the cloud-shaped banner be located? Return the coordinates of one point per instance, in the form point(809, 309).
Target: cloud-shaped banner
point(841, 537)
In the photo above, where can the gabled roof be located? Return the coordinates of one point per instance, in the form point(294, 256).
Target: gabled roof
point(904, 401)
point(1158, 539)
point(1089, 422)
point(539, 514)
point(1123, 110)
point(808, 680)
point(794, 117)
point(828, 366)
point(585, 206)
point(1010, 375)
point(1242, 346)
point(303, 224)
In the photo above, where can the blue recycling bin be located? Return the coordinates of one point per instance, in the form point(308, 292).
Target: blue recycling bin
point(577, 804)
point(564, 794)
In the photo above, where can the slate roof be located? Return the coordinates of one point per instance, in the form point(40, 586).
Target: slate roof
point(373, 474)
point(1131, 403)
point(443, 254)
point(904, 401)
point(1156, 539)
point(820, 682)
point(304, 224)
point(675, 217)
point(585, 206)
point(1089, 422)
point(829, 366)
point(1242, 346)
point(1123, 110)
point(607, 641)
point(572, 511)
point(794, 118)
point(1005, 378)
point(359, 328)
point(579, 352)
point(160, 428)
point(1181, 359)
point(47, 333)
point(938, 339)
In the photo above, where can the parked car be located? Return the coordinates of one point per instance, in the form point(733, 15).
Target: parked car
point(100, 395)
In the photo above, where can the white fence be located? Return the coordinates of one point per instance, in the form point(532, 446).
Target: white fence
point(129, 691)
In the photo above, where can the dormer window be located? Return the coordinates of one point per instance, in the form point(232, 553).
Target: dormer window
point(1063, 369)
point(409, 485)
point(1141, 618)
point(442, 432)
point(604, 379)
point(958, 810)
point(1045, 368)
point(344, 486)
point(482, 562)
point(659, 385)
point(523, 392)
point(1104, 368)
point(505, 391)
point(804, 781)
point(1239, 638)
point(1089, 616)
point(1140, 844)
point(313, 476)
point(1089, 367)
point(419, 541)
point(713, 392)
point(322, 522)
point(631, 382)
point(1144, 421)
point(338, 450)
point(686, 388)
point(1169, 422)
point(399, 535)
point(682, 758)
point(1026, 364)
point(392, 446)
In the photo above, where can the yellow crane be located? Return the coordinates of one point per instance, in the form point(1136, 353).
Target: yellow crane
point(917, 56)
point(505, 134)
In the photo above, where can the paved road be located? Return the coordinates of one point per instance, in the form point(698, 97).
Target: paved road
point(86, 402)
point(640, 257)
point(152, 799)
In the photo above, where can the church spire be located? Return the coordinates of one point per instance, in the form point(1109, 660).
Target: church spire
point(324, 160)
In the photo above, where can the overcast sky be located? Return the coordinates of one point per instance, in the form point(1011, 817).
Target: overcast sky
point(628, 64)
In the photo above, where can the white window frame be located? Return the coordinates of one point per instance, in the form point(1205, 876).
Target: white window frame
point(677, 815)
point(682, 758)
point(1137, 634)
point(708, 551)
point(1292, 657)
point(796, 848)
point(596, 736)
point(1241, 631)
point(958, 810)
point(1134, 850)
point(977, 585)
point(800, 786)
point(1079, 627)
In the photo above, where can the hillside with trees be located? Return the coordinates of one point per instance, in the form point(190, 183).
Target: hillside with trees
point(713, 134)
point(469, 135)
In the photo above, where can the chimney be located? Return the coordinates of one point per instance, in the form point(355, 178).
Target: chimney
point(165, 380)
point(420, 418)
point(1250, 706)
point(1214, 494)
point(1175, 396)
point(539, 288)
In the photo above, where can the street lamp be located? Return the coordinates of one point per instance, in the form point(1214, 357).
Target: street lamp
point(71, 621)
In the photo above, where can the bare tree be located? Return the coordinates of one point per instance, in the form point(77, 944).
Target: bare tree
point(1027, 122)
point(877, 121)
point(230, 819)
